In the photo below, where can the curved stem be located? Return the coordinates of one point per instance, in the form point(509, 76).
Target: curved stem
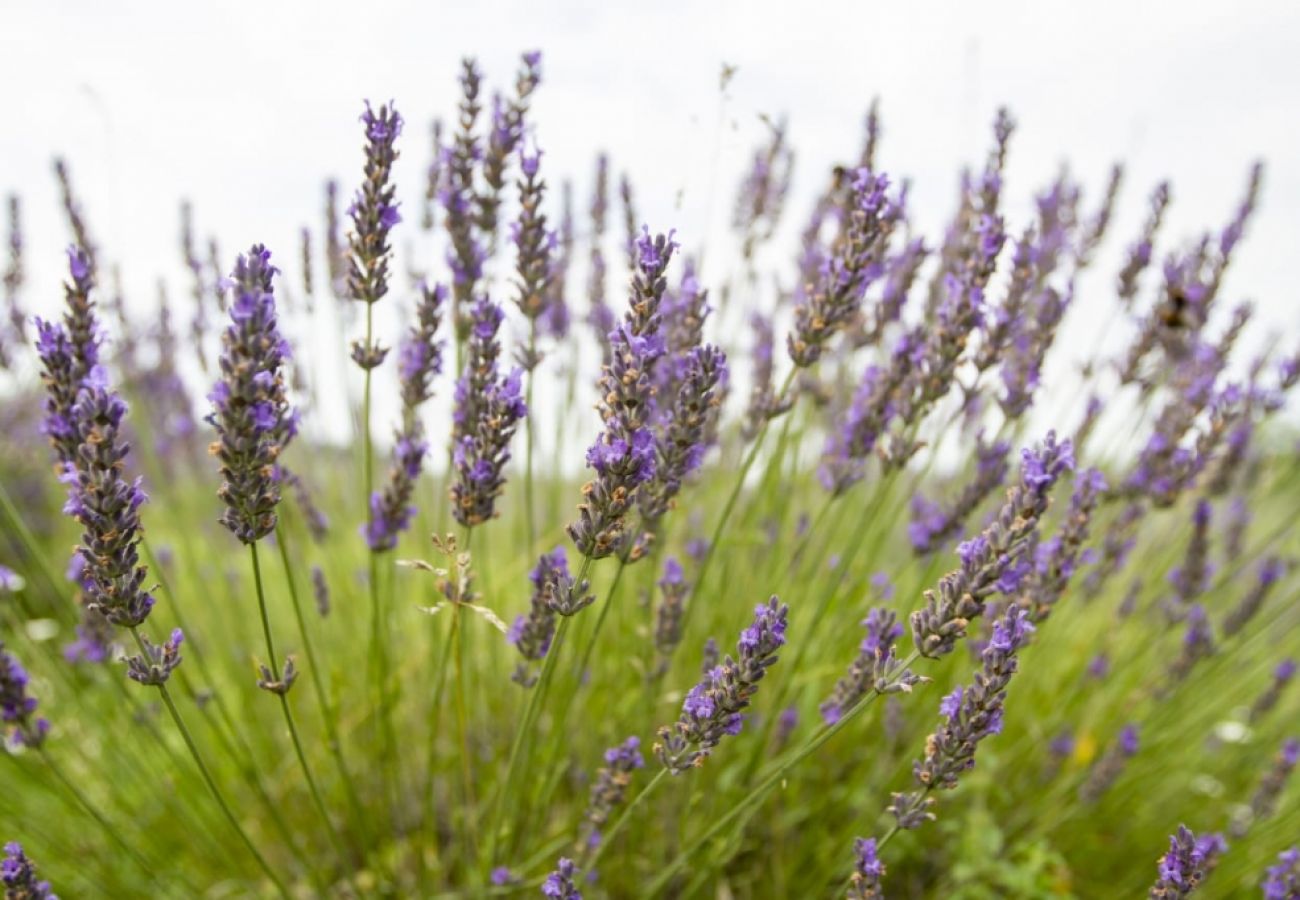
point(211, 782)
point(94, 813)
point(328, 713)
point(288, 713)
point(730, 503)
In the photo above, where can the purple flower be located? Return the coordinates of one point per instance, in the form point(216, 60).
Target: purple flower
point(624, 454)
point(531, 634)
point(968, 715)
point(1183, 868)
point(488, 410)
point(868, 870)
point(157, 663)
point(1282, 880)
point(997, 558)
point(559, 884)
point(674, 590)
point(250, 409)
point(713, 707)
point(609, 788)
point(374, 210)
point(17, 708)
point(845, 276)
point(19, 877)
point(501, 876)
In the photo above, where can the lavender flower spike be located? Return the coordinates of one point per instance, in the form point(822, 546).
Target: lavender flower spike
point(532, 633)
point(1264, 802)
point(969, 714)
point(608, 789)
point(713, 707)
point(1183, 868)
point(624, 454)
point(845, 277)
point(108, 508)
point(559, 884)
point(420, 359)
point(674, 590)
point(488, 410)
point(994, 559)
point(1282, 880)
point(873, 669)
point(688, 419)
point(1111, 765)
point(250, 410)
point(18, 709)
point(19, 877)
point(867, 872)
point(374, 209)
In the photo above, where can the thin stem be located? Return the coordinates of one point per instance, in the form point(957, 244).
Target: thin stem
point(730, 504)
point(209, 781)
point(288, 713)
point(462, 732)
point(607, 837)
point(94, 812)
point(328, 713)
point(30, 545)
point(529, 505)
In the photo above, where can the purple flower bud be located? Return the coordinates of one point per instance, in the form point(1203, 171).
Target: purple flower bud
point(19, 876)
point(250, 409)
point(713, 707)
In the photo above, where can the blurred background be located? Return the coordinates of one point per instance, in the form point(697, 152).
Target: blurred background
point(246, 108)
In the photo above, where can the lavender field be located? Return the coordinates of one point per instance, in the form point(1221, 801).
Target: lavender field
point(494, 539)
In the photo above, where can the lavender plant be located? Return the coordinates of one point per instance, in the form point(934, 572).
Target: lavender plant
point(1148, 601)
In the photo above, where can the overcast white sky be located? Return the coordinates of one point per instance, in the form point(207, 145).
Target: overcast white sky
point(246, 107)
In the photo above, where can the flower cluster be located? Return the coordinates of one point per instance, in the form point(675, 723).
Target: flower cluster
point(250, 410)
point(534, 244)
point(19, 877)
point(969, 714)
point(932, 525)
point(374, 210)
point(1058, 557)
point(420, 359)
point(531, 634)
point(687, 417)
point(157, 663)
point(624, 454)
point(1185, 866)
point(1282, 880)
point(608, 789)
point(460, 159)
point(1264, 802)
point(559, 884)
point(713, 708)
point(857, 262)
point(505, 135)
point(17, 707)
point(995, 559)
point(488, 410)
point(673, 590)
point(868, 870)
point(1111, 765)
point(874, 669)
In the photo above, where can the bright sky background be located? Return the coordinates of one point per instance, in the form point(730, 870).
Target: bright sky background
point(246, 107)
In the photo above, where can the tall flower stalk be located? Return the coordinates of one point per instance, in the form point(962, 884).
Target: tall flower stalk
point(254, 423)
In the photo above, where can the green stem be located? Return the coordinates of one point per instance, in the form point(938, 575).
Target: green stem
point(288, 713)
point(209, 781)
point(94, 812)
point(730, 504)
point(607, 837)
point(30, 545)
point(329, 713)
point(529, 505)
